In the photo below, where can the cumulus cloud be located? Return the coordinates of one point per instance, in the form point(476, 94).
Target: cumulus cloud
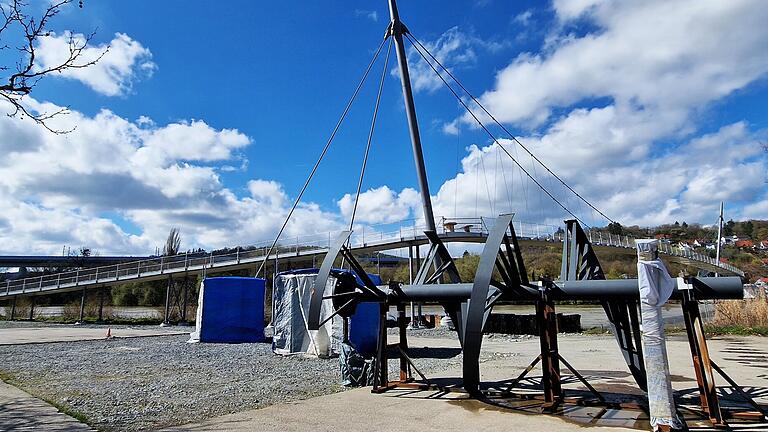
point(381, 205)
point(696, 52)
point(146, 177)
point(125, 61)
point(615, 109)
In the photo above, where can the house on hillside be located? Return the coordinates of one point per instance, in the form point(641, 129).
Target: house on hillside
point(745, 244)
point(763, 245)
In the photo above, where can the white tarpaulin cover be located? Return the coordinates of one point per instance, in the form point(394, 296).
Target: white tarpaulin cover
point(656, 286)
point(290, 308)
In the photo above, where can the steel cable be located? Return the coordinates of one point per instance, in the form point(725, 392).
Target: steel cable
point(323, 153)
point(370, 133)
point(416, 43)
point(490, 134)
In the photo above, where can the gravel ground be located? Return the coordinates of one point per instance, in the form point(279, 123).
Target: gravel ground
point(150, 382)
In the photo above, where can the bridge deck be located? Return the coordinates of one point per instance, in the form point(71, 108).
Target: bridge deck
point(162, 267)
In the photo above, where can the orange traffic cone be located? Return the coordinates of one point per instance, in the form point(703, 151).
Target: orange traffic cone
point(109, 333)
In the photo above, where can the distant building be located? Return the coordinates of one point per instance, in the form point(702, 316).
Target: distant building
point(745, 244)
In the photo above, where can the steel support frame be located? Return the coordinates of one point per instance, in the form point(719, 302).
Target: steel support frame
point(703, 366)
point(580, 262)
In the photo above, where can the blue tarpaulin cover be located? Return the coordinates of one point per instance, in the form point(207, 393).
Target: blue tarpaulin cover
point(231, 310)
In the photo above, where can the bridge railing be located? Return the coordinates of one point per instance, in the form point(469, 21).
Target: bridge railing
point(364, 236)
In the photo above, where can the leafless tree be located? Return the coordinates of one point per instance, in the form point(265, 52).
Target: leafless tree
point(26, 30)
point(173, 243)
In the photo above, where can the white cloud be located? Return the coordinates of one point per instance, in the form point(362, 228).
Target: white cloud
point(628, 102)
point(380, 205)
point(125, 61)
point(454, 49)
point(370, 14)
point(650, 55)
point(56, 190)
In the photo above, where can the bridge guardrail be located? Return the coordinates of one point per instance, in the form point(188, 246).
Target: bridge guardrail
point(364, 237)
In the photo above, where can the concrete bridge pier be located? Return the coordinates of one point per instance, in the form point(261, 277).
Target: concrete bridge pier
point(13, 308)
point(32, 308)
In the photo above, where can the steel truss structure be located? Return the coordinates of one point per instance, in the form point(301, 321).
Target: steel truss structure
point(501, 276)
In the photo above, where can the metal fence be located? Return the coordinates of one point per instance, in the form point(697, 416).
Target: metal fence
point(382, 237)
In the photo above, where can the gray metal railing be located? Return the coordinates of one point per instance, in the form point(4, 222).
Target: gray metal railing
point(365, 237)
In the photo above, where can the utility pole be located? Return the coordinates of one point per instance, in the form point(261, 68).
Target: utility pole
point(719, 235)
point(397, 29)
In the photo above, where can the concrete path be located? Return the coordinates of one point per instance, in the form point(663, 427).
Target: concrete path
point(21, 412)
point(595, 356)
point(26, 335)
point(360, 410)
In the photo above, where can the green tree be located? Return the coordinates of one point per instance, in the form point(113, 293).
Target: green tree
point(615, 228)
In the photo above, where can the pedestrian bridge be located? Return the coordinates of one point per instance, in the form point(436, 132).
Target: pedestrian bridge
point(307, 249)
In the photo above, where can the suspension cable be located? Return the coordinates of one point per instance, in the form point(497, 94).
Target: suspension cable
point(490, 134)
point(323, 153)
point(513, 137)
point(370, 133)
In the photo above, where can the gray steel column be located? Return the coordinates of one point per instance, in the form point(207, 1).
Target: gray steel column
point(410, 282)
point(185, 294)
point(100, 319)
point(82, 307)
point(719, 235)
point(168, 300)
point(398, 29)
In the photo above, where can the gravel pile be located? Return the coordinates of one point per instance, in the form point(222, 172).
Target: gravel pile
point(151, 382)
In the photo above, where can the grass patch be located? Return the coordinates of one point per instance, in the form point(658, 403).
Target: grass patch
point(596, 331)
point(79, 416)
point(735, 330)
point(113, 321)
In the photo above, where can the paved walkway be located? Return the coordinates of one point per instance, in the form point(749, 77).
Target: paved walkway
point(595, 356)
point(21, 412)
point(360, 410)
point(26, 335)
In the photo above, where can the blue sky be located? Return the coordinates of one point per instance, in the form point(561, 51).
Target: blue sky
point(209, 117)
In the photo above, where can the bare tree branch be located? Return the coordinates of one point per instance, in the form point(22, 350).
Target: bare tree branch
point(27, 73)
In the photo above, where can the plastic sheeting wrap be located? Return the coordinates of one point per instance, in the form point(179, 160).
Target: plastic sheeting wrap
point(230, 310)
point(290, 312)
point(655, 287)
